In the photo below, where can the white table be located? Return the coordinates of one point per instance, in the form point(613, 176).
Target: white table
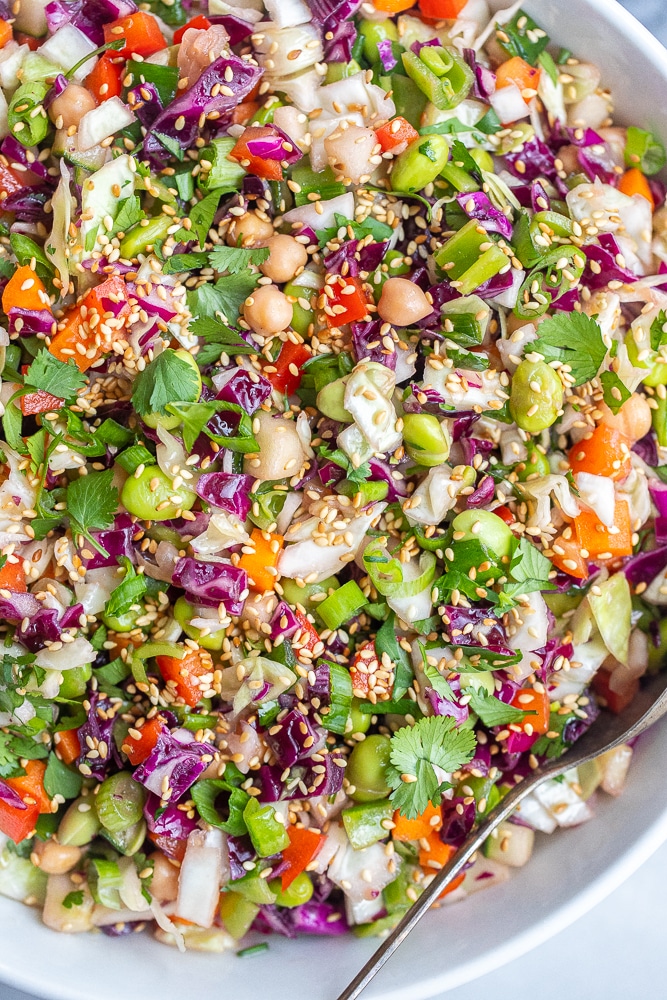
point(615, 952)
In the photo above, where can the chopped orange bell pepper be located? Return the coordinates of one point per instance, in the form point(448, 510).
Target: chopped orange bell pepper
point(598, 540)
point(395, 133)
point(25, 290)
point(6, 33)
point(260, 565)
point(243, 112)
point(141, 33)
point(530, 700)
point(633, 181)
point(138, 748)
point(18, 823)
point(442, 10)
point(393, 6)
point(420, 828)
point(567, 556)
point(521, 73)
point(12, 575)
point(199, 22)
point(185, 674)
point(605, 453)
point(303, 846)
point(92, 325)
point(67, 745)
point(269, 169)
point(106, 78)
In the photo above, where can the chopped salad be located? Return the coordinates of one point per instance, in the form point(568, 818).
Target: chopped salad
point(333, 490)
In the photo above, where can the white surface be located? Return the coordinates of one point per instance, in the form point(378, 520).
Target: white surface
point(616, 951)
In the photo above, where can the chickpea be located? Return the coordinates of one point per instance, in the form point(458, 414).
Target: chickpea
point(164, 884)
point(54, 858)
point(632, 420)
point(268, 311)
point(287, 258)
point(253, 230)
point(402, 302)
point(71, 106)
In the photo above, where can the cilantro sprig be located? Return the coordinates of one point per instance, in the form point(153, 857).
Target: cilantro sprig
point(167, 378)
point(59, 378)
point(574, 339)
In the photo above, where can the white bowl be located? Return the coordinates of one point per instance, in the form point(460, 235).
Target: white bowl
point(569, 872)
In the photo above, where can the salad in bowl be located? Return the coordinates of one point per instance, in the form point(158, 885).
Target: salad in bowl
point(334, 452)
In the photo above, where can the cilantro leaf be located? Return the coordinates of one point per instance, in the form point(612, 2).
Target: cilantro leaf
point(129, 213)
point(233, 260)
point(387, 642)
point(494, 712)
point(92, 501)
point(214, 332)
point(225, 298)
point(195, 417)
point(180, 262)
point(202, 215)
point(659, 331)
point(573, 339)
point(167, 378)
point(73, 899)
point(59, 378)
point(416, 751)
point(59, 779)
point(129, 592)
point(615, 391)
point(172, 145)
point(380, 231)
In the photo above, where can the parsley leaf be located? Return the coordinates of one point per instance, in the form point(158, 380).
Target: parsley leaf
point(165, 379)
point(195, 417)
point(92, 501)
point(59, 779)
point(233, 260)
point(73, 899)
point(492, 711)
point(170, 144)
point(416, 751)
point(180, 262)
point(59, 378)
point(380, 231)
point(573, 339)
point(615, 391)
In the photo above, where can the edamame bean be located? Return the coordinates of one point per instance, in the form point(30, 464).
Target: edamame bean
point(486, 527)
point(153, 497)
point(360, 721)
point(420, 163)
point(483, 159)
point(142, 237)
point(121, 623)
point(119, 802)
point(373, 32)
point(183, 613)
point(127, 842)
point(367, 769)
point(301, 317)
point(80, 824)
point(75, 680)
point(537, 464)
point(426, 440)
point(536, 396)
point(299, 891)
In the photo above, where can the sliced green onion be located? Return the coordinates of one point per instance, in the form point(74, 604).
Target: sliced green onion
point(223, 172)
point(340, 699)
point(369, 491)
point(254, 949)
point(105, 880)
point(644, 151)
point(152, 649)
point(440, 74)
point(387, 574)
point(340, 606)
point(133, 457)
point(27, 119)
point(323, 184)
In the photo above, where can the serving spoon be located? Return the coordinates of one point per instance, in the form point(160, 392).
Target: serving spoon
point(608, 732)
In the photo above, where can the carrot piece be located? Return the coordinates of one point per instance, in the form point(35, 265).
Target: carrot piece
point(420, 828)
point(67, 745)
point(393, 6)
point(260, 565)
point(516, 70)
point(530, 700)
point(77, 336)
point(395, 133)
point(633, 181)
point(25, 290)
point(303, 846)
point(184, 674)
point(12, 575)
point(605, 453)
point(597, 539)
point(6, 33)
point(568, 558)
point(138, 748)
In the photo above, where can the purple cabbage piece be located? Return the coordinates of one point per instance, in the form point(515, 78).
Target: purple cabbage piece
point(18, 154)
point(444, 706)
point(658, 491)
point(328, 782)
point(89, 16)
point(497, 284)
point(567, 301)
point(46, 626)
point(18, 606)
point(284, 622)
point(458, 819)
point(539, 199)
point(99, 725)
point(386, 54)
point(520, 742)
point(397, 487)
point(212, 583)
point(330, 473)
point(240, 850)
point(237, 386)
point(482, 760)
point(10, 796)
point(177, 757)
point(29, 322)
point(310, 918)
point(169, 821)
point(604, 256)
point(58, 87)
point(198, 100)
point(328, 13)
point(289, 743)
point(483, 494)
point(485, 79)
point(647, 449)
point(477, 205)
point(117, 541)
point(29, 206)
point(658, 192)
point(368, 346)
point(536, 159)
point(151, 303)
point(484, 622)
point(237, 29)
point(575, 728)
point(463, 425)
point(440, 294)
point(228, 491)
point(272, 146)
point(642, 568)
point(145, 101)
point(338, 43)
point(368, 258)
point(473, 446)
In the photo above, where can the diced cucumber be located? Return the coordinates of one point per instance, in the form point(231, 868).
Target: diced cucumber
point(510, 844)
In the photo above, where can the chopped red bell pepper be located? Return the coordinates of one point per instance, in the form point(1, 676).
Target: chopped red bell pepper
point(106, 78)
point(77, 336)
point(199, 21)
point(269, 169)
point(141, 33)
point(285, 373)
point(303, 846)
point(395, 133)
point(615, 702)
point(40, 402)
point(307, 637)
point(9, 182)
point(16, 822)
point(138, 748)
point(442, 10)
point(349, 302)
point(185, 673)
